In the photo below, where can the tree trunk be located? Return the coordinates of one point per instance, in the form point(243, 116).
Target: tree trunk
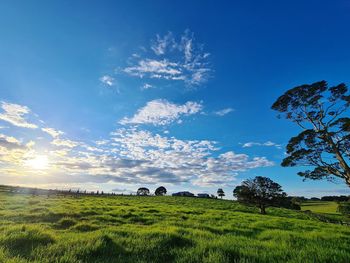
point(262, 210)
point(341, 160)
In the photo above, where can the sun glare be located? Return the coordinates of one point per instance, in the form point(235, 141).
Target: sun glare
point(40, 162)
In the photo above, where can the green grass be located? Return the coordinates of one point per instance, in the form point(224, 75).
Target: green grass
point(324, 207)
point(161, 229)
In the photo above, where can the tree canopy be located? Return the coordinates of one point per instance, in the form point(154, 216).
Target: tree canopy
point(143, 191)
point(161, 190)
point(220, 192)
point(260, 192)
point(324, 142)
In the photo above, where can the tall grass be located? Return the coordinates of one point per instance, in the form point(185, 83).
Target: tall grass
point(161, 229)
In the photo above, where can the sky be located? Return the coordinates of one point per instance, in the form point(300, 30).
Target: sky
point(116, 95)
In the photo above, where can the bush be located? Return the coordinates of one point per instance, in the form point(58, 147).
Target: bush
point(295, 206)
point(344, 208)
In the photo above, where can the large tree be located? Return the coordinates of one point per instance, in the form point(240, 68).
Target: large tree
point(161, 190)
point(260, 192)
point(324, 143)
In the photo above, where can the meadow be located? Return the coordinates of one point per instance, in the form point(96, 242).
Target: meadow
point(161, 229)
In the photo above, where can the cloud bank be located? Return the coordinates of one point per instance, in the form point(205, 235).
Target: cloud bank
point(128, 155)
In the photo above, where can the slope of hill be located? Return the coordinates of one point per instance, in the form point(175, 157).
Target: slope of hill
point(160, 229)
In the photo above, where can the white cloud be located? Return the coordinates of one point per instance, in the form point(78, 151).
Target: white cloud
point(9, 142)
point(162, 112)
point(64, 143)
point(15, 114)
point(268, 144)
point(52, 132)
point(223, 111)
point(161, 44)
point(126, 156)
point(155, 69)
point(107, 80)
point(146, 86)
point(183, 160)
point(181, 60)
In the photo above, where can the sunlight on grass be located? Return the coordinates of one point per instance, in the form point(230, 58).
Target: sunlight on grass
point(161, 229)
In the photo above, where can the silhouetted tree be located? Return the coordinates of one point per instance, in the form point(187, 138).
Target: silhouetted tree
point(221, 192)
point(143, 191)
point(161, 190)
point(260, 192)
point(324, 143)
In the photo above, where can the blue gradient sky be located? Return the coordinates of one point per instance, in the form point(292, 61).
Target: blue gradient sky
point(81, 67)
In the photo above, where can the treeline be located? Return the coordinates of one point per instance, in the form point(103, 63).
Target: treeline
point(49, 192)
point(334, 198)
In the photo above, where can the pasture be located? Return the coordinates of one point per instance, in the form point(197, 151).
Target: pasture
point(161, 229)
point(323, 207)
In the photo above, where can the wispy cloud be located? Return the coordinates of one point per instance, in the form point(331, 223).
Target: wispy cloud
point(52, 132)
point(64, 143)
point(172, 59)
point(146, 86)
point(163, 43)
point(162, 112)
point(223, 112)
point(107, 80)
point(16, 115)
point(268, 144)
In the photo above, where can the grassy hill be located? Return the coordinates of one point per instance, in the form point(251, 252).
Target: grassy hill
point(161, 229)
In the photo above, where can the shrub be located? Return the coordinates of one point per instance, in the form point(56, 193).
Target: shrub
point(344, 208)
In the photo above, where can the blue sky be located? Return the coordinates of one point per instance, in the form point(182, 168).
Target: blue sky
point(117, 95)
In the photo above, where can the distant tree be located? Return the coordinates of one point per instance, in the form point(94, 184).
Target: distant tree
point(161, 190)
point(321, 112)
point(260, 192)
point(143, 191)
point(221, 192)
point(315, 199)
point(341, 198)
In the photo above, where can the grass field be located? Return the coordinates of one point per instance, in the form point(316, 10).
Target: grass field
point(323, 207)
point(161, 229)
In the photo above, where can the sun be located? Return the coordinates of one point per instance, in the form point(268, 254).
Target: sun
point(39, 162)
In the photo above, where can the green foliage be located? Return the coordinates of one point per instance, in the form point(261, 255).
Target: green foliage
point(161, 190)
point(320, 111)
point(161, 229)
point(143, 191)
point(220, 192)
point(260, 191)
point(344, 208)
